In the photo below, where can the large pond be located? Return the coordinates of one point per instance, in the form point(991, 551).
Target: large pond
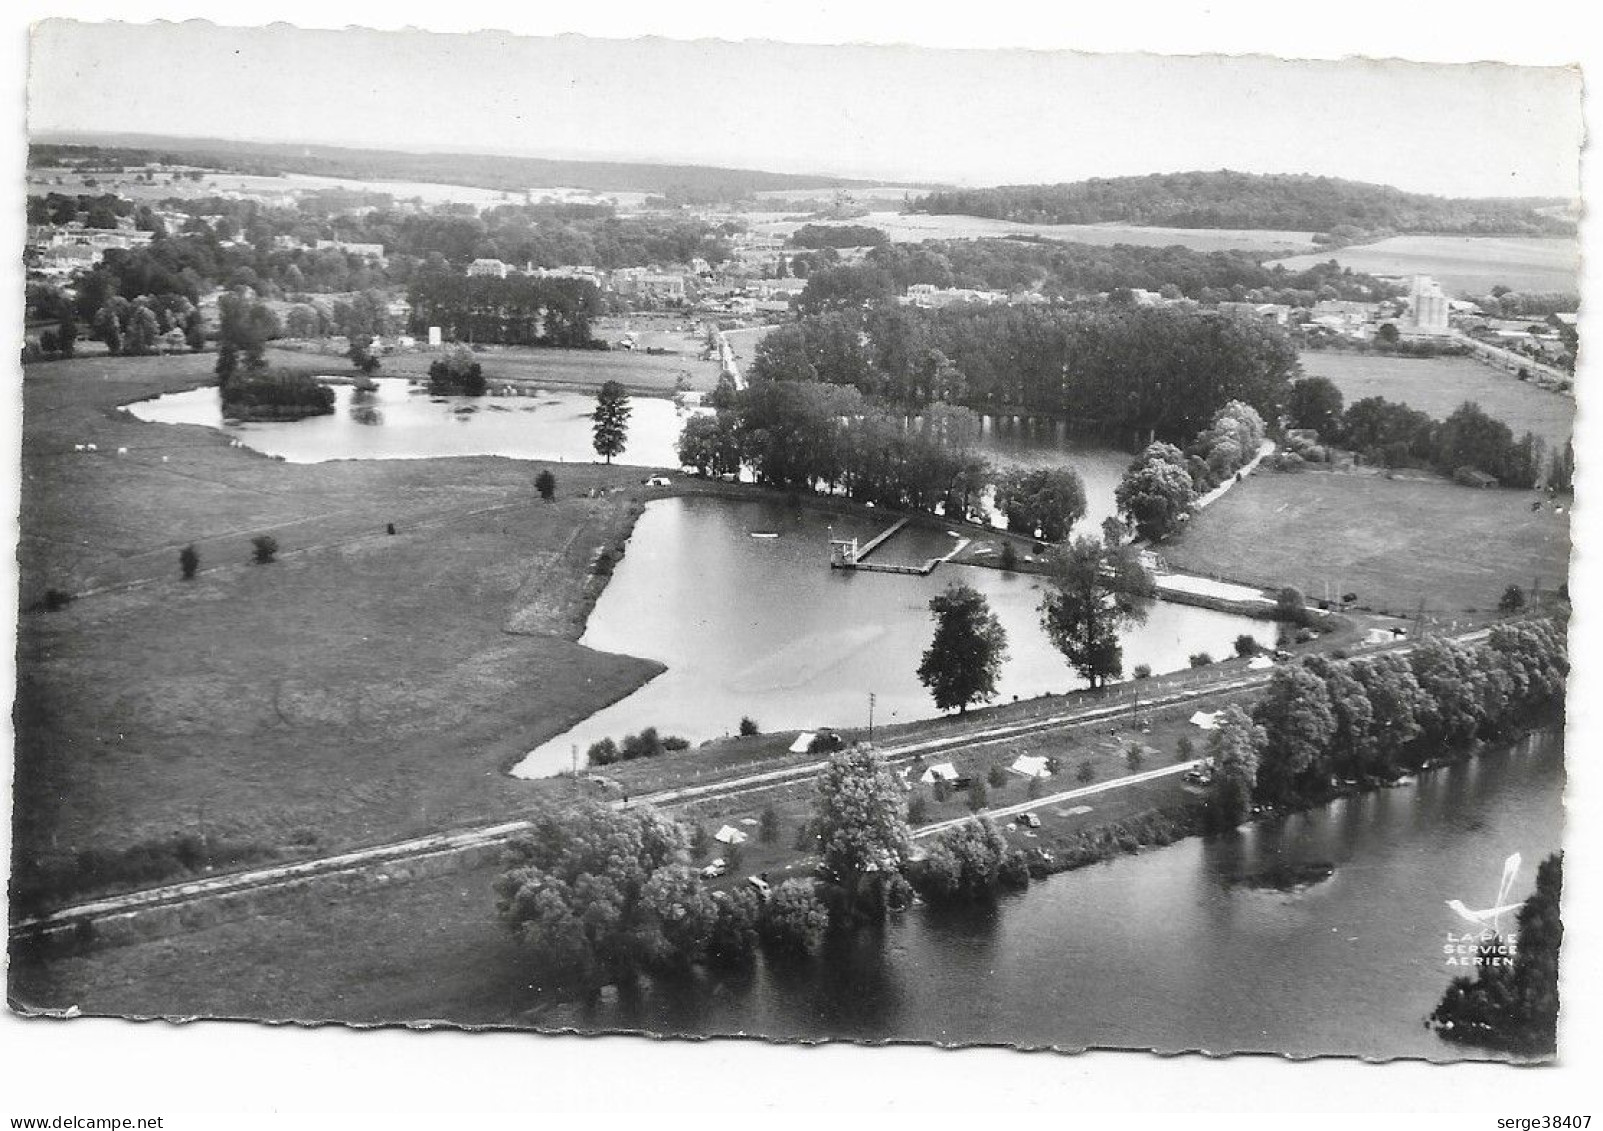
point(1177, 948)
point(761, 626)
point(399, 421)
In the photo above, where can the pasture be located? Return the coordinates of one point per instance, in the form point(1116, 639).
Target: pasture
point(915, 228)
point(1438, 385)
point(1395, 542)
point(287, 708)
point(1470, 265)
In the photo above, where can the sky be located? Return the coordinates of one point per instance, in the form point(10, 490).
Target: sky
point(893, 113)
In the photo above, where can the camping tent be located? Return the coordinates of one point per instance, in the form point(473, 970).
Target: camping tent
point(1258, 663)
point(729, 835)
point(803, 743)
point(1031, 766)
point(1207, 720)
point(945, 771)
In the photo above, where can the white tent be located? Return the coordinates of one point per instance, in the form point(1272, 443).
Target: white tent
point(804, 740)
point(1031, 766)
point(729, 835)
point(1258, 663)
point(945, 772)
point(1207, 720)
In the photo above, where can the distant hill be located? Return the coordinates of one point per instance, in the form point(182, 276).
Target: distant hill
point(692, 183)
point(1342, 210)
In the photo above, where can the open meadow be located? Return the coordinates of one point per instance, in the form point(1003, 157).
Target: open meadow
point(290, 707)
point(1438, 385)
point(917, 227)
point(1395, 542)
point(1470, 265)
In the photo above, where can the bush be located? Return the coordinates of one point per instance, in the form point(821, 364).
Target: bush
point(806, 838)
point(768, 825)
point(748, 726)
point(188, 562)
point(942, 790)
point(977, 795)
point(1015, 870)
point(1085, 772)
point(996, 776)
point(546, 484)
point(265, 548)
point(602, 753)
point(1512, 601)
point(1200, 659)
point(917, 810)
point(1142, 671)
point(1246, 645)
point(1290, 606)
point(1009, 558)
point(701, 842)
point(56, 600)
point(1134, 756)
point(1184, 749)
point(794, 919)
point(733, 940)
point(1032, 788)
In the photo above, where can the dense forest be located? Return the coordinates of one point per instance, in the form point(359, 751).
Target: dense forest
point(1149, 370)
point(679, 183)
point(1224, 199)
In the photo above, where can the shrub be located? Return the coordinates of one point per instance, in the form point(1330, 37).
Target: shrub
point(602, 753)
point(1032, 788)
point(733, 939)
point(701, 842)
point(188, 562)
point(546, 484)
point(996, 776)
point(1142, 671)
point(264, 548)
point(768, 825)
point(806, 839)
point(1200, 659)
point(1085, 771)
point(1015, 870)
point(56, 599)
point(977, 796)
point(1009, 558)
point(675, 742)
point(1246, 645)
point(942, 790)
point(1134, 756)
point(1184, 749)
point(1290, 606)
point(1512, 600)
point(917, 810)
point(748, 726)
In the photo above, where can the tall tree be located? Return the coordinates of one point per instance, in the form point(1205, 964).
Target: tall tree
point(611, 418)
point(1235, 747)
point(962, 663)
point(1156, 492)
point(1095, 590)
point(1316, 403)
point(1042, 502)
point(1298, 724)
point(862, 822)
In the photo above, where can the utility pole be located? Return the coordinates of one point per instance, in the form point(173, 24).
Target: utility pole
point(871, 718)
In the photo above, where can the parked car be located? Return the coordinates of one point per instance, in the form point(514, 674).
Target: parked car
point(717, 868)
point(761, 886)
point(1028, 821)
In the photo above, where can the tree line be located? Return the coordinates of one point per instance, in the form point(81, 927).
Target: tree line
point(1367, 720)
point(1393, 434)
point(1226, 199)
point(517, 310)
point(1148, 369)
point(1065, 270)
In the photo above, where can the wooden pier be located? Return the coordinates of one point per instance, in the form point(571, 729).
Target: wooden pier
point(847, 554)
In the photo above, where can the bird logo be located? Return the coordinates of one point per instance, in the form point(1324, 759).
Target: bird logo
point(1492, 916)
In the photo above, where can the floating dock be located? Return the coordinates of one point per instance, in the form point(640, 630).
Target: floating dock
point(847, 554)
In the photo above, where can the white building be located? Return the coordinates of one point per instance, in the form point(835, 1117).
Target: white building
point(1427, 307)
point(489, 268)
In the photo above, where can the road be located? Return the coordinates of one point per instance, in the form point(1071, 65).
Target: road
point(235, 883)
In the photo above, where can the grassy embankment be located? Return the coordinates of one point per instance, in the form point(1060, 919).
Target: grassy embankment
point(1438, 385)
point(362, 688)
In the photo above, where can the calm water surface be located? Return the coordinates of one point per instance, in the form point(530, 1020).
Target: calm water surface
point(761, 626)
point(1170, 949)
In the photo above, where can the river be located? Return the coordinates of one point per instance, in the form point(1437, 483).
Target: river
point(1176, 948)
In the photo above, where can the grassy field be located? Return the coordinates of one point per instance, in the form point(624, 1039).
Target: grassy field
point(909, 228)
point(1438, 385)
point(289, 707)
point(638, 371)
point(1468, 264)
point(1394, 542)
